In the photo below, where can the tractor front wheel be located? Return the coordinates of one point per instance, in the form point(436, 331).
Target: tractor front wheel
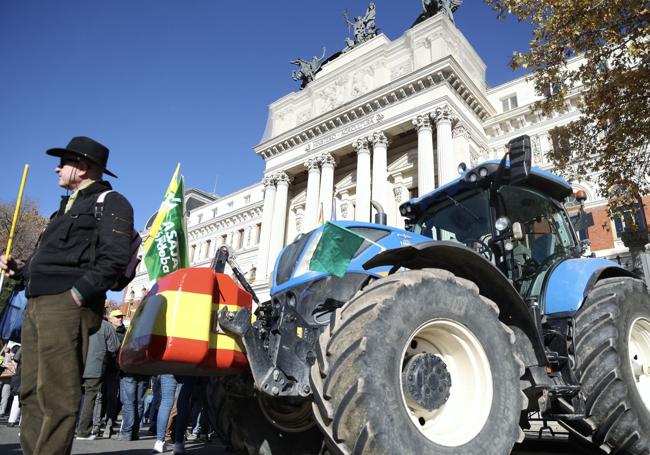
point(418, 363)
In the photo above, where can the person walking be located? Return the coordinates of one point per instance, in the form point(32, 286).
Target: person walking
point(76, 260)
point(7, 372)
point(101, 342)
point(111, 394)
point(14, 414)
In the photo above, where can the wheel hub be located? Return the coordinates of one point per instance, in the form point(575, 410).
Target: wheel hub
point(426, 381)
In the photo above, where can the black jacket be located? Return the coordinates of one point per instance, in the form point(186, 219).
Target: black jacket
point(63, 255)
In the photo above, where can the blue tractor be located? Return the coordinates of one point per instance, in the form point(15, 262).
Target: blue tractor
point(444, 338)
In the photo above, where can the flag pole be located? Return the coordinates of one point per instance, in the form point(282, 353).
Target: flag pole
point(14, 221)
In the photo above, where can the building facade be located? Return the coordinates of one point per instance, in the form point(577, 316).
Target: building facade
point(384, 121)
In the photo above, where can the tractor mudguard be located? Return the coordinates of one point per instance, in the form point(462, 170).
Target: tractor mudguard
point(572, 279)
point(465, 263)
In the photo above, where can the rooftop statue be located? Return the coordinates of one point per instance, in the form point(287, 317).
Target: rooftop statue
point(307, 70)
point(364, 28)
point(433, 7)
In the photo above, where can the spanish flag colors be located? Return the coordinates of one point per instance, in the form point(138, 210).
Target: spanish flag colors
point(175, 328)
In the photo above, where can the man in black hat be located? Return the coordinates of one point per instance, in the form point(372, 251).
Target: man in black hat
point(77, 259)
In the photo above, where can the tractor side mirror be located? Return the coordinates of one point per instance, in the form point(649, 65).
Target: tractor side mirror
point(520, 159)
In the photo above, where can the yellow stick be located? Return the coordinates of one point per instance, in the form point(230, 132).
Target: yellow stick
point(15, 219)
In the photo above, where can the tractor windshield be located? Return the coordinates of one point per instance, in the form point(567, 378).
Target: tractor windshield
point(464, 218)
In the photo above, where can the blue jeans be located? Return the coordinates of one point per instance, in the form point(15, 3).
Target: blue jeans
point(167, 392)
point(132, 390)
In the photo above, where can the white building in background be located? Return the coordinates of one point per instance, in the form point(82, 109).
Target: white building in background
point(384, 121)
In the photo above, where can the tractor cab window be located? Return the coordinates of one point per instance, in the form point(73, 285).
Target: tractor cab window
point(464, 218)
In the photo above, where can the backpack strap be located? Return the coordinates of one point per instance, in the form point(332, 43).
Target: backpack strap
point(99, 204)
point(99, 211)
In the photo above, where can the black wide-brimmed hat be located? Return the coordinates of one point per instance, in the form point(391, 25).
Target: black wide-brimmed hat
point(87, 149)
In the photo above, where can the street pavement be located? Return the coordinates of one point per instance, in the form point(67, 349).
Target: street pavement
point(10, 445)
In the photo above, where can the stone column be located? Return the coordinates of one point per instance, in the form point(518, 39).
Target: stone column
point(426, 171)
point(279, 218)
point(267, 219)
point(247, 236)
point(362, 211)
point(462, 152)
point(380, 169)
point(312, 208)
point(400, 195)
point(236, 237)
point(327, 163)
point(447, 168)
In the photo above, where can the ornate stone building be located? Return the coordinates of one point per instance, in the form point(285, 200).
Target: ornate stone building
point(384, 121)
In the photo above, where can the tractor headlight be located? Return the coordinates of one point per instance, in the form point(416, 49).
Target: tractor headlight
point(483, 172)
point(502, 223)
point(473, 177)
point(462, 167)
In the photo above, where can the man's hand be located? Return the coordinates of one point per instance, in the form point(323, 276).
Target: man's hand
point(10, 265)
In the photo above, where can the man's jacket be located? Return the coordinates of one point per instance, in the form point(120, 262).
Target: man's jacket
point(100, 343)
point(64, 254)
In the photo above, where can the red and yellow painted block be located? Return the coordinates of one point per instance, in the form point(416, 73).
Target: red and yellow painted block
point(175, 327)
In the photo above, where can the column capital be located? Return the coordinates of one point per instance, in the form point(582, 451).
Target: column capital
point(460, 131)
point(312, 164)
point(361, 145)
point(443, 114)
point(327, 159)
point(422, 122)
point(379, 138)
point(268, 181)
point(282, 177)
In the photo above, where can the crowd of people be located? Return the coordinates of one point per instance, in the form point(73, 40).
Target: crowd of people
point(173, 407)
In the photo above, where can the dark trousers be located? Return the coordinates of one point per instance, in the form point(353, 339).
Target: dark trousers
point(54, 339)
point(92, 387)
point(111, 395)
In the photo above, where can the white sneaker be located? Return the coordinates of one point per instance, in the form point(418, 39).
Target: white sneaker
point(90, 437)
point(179, 448)
point(159, 447)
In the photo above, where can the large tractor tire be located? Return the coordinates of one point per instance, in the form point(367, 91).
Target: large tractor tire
point(252, 424)
point(418, 363)
point(612, 351)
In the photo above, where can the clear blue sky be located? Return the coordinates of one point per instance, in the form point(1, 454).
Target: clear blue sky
point(162, 81)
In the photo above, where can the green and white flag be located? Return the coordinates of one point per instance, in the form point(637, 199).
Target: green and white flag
point(335, 250)
point(165, 250)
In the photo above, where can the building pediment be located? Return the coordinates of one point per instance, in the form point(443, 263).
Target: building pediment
point(354, 91)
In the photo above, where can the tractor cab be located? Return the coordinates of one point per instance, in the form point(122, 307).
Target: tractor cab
point(511, 214)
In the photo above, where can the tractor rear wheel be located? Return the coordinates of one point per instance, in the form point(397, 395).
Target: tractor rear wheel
point(252, 423)
point(418, 363)
point(612, 350)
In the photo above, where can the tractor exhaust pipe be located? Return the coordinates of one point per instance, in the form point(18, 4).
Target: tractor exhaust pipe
point(380, 216)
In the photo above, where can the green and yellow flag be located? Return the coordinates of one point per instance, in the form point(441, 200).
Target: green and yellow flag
point(335, 249)
point(165, 250)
